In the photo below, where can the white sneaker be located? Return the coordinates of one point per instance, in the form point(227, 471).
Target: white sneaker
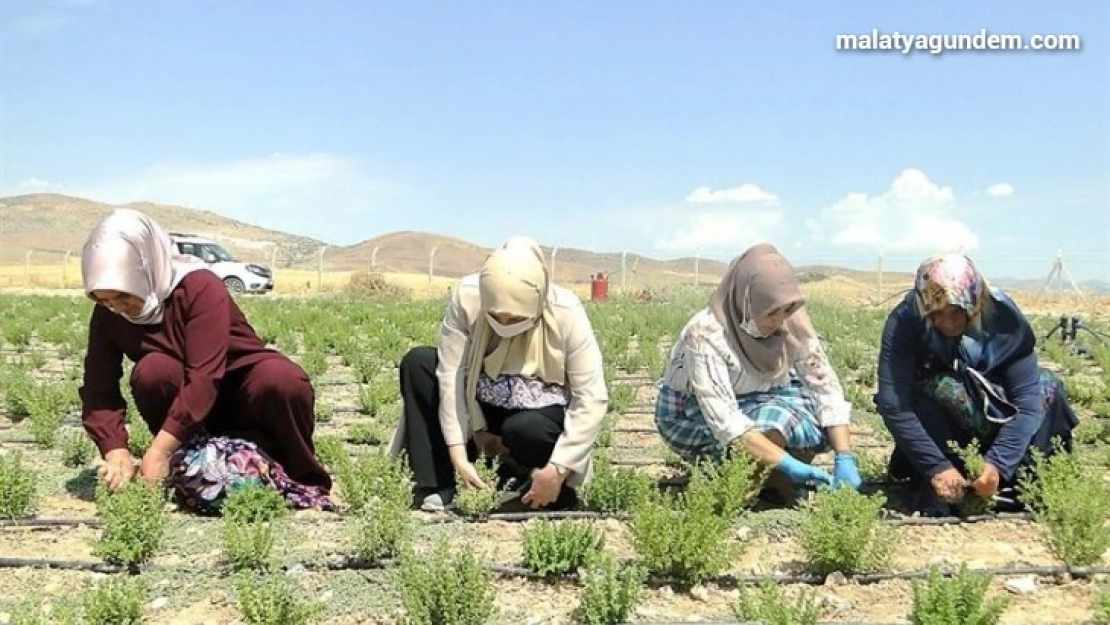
point(439, 501)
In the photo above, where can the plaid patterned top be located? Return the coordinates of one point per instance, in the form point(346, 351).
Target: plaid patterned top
point(703, 364)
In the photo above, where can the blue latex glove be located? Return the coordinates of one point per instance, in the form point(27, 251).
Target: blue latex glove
point(800, 472)
point(845, 471)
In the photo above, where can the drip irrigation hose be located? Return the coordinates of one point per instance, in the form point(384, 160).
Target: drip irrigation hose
point(515, 517)
point(727, 581)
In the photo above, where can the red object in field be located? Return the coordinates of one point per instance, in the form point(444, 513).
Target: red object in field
point(599, 287)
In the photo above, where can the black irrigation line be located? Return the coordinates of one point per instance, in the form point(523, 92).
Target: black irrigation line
point(514, 517)
point(727, 581)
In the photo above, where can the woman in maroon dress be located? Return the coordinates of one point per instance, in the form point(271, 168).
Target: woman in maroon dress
point(224, 408)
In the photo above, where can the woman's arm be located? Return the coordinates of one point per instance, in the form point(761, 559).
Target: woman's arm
point(712, 387)
point(207, 314)
point(1022, 382)
point(103, 409)
point(589, 397)
point(451, 347)
point(897, 365)
point(834, 411)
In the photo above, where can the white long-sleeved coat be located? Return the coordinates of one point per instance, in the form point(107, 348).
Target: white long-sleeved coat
point(589, 397)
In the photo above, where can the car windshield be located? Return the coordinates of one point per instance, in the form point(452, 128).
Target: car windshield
point(220, 253)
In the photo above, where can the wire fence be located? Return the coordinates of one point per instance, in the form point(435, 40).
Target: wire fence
point(306, 269)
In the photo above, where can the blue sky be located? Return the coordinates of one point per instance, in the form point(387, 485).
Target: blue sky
point(655, 127)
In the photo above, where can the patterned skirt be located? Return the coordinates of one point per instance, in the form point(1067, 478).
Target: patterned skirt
point(791, 410)
point(205, 470)
point(950, 394)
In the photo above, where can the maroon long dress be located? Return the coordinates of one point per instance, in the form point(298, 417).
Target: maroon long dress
point(202, 368)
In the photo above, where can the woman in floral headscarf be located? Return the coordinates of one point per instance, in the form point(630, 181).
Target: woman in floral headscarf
point(957, 363)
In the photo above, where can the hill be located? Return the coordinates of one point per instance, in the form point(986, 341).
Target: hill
point(410, 252)
point(52, 224)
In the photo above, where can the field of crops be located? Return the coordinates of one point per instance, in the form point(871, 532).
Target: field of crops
point(651, 541)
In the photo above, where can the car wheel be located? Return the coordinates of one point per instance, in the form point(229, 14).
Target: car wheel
point(235, 285)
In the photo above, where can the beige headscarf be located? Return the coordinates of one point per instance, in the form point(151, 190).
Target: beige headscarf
point(514, 280)
point(758, 282)
point(129, 252)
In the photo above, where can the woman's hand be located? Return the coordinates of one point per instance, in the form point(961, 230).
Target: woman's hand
point(468, 475)
point(801, 473)
point(155, 466)
point(117, 470)
point(845, 471)
point(546, 484)
point(986, 485)
point(949, 485)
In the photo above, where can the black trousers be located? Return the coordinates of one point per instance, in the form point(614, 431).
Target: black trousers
point(529, 435)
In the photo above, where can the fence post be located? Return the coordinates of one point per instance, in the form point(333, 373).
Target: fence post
point(431, 264)
point(697, 266)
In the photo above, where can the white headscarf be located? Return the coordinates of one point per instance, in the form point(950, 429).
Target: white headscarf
point(129, 252)
point(515, 280)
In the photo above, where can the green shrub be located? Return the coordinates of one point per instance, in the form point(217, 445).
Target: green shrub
point(18, 487)
point(769, 604)
point(269, 599)
point(614, 489)
point(842, 530)
point(731, 484)
point(475, 502)
point(958, 600)
point(1102, 608)
point(1071, 504)
point(381, 530)
point(77, 449)
point(610, 590)
point(445, 588)
point(332, 452)
point(31, 611)
point(250, 520)
point(559, 547)
point(374, 475)
point(686, 542)
point(115, 600)
point(134, 521)
point(972, 504)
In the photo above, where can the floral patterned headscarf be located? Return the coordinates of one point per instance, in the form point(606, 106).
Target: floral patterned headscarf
point(949, 279)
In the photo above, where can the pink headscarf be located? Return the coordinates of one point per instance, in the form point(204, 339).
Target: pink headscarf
point(130, 253)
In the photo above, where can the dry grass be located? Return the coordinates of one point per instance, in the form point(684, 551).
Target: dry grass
point(302, 283)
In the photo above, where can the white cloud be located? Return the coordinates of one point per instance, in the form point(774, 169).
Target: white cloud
point(295, 184)
point(41, 24)
point(717, 230)
point(1001, 189)
point(745, 193)
point(296, 193)
point(914, 215)
point(37, 185)
point(740, 217)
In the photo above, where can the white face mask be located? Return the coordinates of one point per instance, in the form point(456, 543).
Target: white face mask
point(511, 330)
point(749, 326)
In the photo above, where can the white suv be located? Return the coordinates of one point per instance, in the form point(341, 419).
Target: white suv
point(239, 277)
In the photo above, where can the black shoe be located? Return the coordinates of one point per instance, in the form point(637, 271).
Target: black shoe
point(925, 500)
point(567, 499)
